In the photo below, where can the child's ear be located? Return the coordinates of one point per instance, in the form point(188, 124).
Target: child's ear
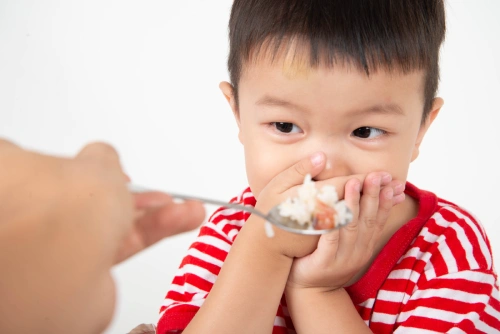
point(437, 103)
point(228, 90)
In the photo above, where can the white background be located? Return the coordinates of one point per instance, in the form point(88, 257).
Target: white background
point(143, 75)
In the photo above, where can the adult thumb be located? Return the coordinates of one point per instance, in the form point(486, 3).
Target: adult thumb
point(294, 175)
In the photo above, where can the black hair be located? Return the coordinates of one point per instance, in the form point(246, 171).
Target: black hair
point(403, 35)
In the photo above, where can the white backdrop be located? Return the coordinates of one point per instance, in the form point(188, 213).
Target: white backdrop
point(143, 76)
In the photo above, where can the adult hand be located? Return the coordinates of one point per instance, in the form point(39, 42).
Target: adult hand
point(155, 215)
point(158, 216)
point(63, 224)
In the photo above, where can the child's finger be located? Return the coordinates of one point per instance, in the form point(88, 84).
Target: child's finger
point(398, 186)
point(399, 191)
point(349, 233)
point(398, 199)
point(294, 175)
point(339, 244)
point(339, 182)
point(369, 206)
point(384, 210)
point(385, 205)
point(326, 250)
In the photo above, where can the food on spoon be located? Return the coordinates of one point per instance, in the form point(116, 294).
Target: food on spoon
point(323, 216)
point(313, 209)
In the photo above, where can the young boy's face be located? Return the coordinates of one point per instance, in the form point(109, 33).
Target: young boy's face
point(362, 124)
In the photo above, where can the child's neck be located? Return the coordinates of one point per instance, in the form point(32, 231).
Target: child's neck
point(400, 215)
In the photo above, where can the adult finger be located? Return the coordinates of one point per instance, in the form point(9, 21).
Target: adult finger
point(154, 224)
point(100, 152)
point(151, 199)
point(170, 219)
point(4, 143)
point(7, 147)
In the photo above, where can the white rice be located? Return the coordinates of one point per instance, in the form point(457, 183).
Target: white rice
point(344, 214)
point(301, 208)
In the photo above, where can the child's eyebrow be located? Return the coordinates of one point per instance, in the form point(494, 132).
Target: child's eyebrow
point(384, 109)
point(271, 101)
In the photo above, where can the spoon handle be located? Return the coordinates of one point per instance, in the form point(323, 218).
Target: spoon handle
point(137, 189)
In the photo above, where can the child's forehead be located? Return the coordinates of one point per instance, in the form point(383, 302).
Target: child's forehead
point(298, 67)
point(290, 76)
point(296, 59)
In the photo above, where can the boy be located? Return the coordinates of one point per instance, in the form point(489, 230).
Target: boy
point(344, 91)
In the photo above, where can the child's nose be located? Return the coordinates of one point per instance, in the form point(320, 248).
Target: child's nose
point(335, 166)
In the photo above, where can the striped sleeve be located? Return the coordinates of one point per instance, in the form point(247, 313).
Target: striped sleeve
point(458, 290)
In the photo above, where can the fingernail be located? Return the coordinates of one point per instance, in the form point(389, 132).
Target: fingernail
point(377, 180)
point(357, 187)
point(317, 158)
point(398, 199)
point(399, 189)
point(386, 178)
point(389, 194)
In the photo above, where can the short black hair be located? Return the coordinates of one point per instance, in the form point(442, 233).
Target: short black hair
point(403, 35)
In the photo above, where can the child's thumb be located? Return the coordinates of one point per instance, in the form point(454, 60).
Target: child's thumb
point(294, 175)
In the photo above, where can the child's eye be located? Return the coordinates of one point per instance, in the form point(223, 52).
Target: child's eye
point(285, 127)
point(367, 132)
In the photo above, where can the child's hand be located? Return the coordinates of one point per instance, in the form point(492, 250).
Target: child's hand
point(285, 185)
point(276, 191)
point(342, 253)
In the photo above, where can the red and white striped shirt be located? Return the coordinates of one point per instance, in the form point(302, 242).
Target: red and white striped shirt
point(435, 274)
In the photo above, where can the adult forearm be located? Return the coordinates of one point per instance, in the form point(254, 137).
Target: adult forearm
point(246, 295)
point(314, 311)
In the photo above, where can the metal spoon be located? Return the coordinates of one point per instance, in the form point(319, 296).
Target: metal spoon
point(273, 216)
